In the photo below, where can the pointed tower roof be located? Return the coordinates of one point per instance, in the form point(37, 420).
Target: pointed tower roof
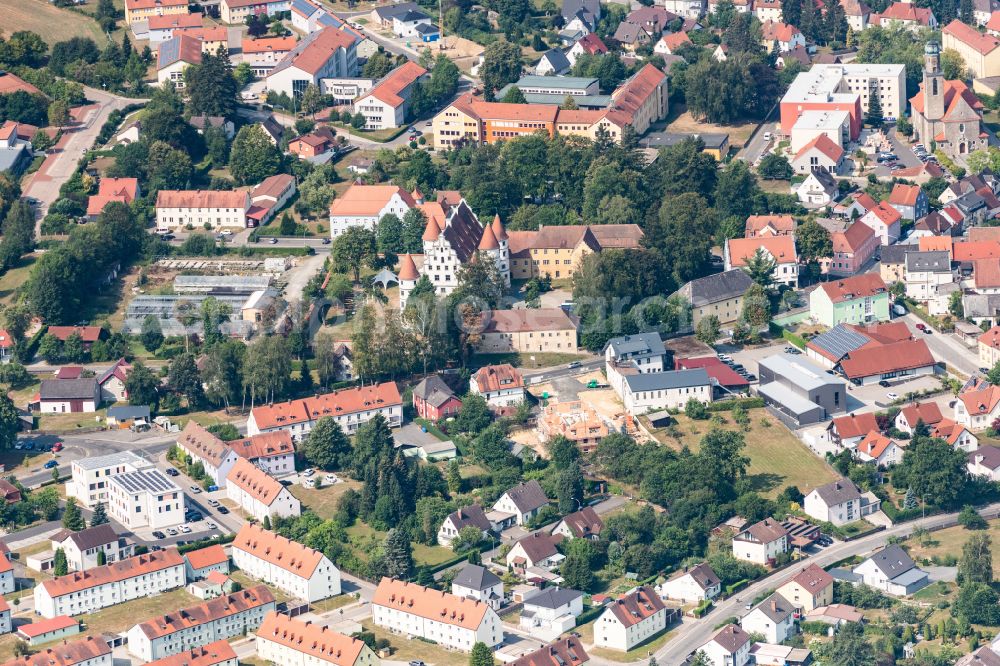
point(408, 269)
point(489, 240)
point(498, 229)
point(417, 195)
point(432, 230)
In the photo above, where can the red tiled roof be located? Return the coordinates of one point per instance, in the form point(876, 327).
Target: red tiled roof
point(275, 549)
point(994, 22)
point(218, 652)
point(269, 45)
point(168, 21)
point(886, 213)
point(133, 5)
point(209, 611)
point(904, 11)
point(264, 445)
point(10, 83)
point(635, 607)
point(40, 627)
point(318, 52)
point(430, 604)
point(858, 286)
point(874, 444)
point(202, 199)
point(114, 572)
point(497, 377)
point(207, 557)
point(904, 195)
point(855, 425)
point(389, 88)
point(86, 333)
point(772, 31)
point(825, 145)
point(883, 359)
point(715, 368)
point(974, 250)
point(851, 239)
point(633, 94)
point(979, 42)
point(87, 650)
point(523, 320)
point(954, 91)
point(345, 401)
point(982, 401)
point(782, 248)
point(675, 40)
point(928, 412)
point(781, 224)
point(255, 482)
point(407, 268)
point(991, 338)
point(592, 44)
point(986, 273)
point(368, 200)
point(319, 643)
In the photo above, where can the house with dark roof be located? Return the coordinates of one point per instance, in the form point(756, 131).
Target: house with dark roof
point(761, 543)
point(564, 652)
point(69, 396)
point(840, 502)
point(582, 524)
point(719, 295)
point(550, 612)
point(985, 461)
point(773, 618)
point(84, 548)
point(467, 516)
point(479, 583)
point(522, 502)
point(433, 399)
point(692, 585)
point(653, 391)
point(818, 189)
point(892, 571)
point(632, 619)
point(537, 550)
point(729, 647)
point(552, 63)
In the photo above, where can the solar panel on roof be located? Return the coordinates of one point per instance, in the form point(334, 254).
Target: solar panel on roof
point(840, 340)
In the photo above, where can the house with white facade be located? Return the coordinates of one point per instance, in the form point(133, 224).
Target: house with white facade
point(500, 385)
point(82, 592)
point(300, 571)
point(779, 249)
point(810, 588)
point(551, 612)
point(879, 449)
point(818, 189)
point(199, 563)
point(288, 641)
point(329, 53)
point(145, 498)
point(364, 205)
point(926, 273)
point(219, 209)
point(89, 482)
point(466, 516)
point(631, 620)
point(89, 651)
point(258, 494)
point(892, 571)
point(535, 550)
point(479, 583)
point(215, 455)
point(349, 407)
point(522, 502)
point(840, 502)
point(761, 543)
point(985, 461)
point(651, 392)
point(885, 221)
point(217, 619)
point(773, 617)
point(387, 104)
point(219, 653)
point(692, 585)
point(7, 583)
point(273, 452)
point(644, 350)
point(582, 524)
point(977, 409)
point(564, 652)
point(456, 623)
point(729, 647)
point(83, 548)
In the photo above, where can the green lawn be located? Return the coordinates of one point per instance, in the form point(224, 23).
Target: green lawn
point(323, 502)
point(122, 617)
point(536, 360)
point(416, 649)
point(948, 543)
point(363, 539)
point(777, 457)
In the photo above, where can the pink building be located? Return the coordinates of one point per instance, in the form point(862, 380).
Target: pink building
point(852, 247)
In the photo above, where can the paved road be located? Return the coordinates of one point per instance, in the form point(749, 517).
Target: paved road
point(692, 634)
point(945, 347)
point(548, 374)
point(61, 163)
point(757, 145)
point(87, 446)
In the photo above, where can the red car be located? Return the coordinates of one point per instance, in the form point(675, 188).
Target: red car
point(921, 327)
point(58, 446)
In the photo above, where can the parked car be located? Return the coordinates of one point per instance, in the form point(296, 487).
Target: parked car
point(921, 326)
point(185, 529)
point(58, 446)
point(50, 464)
point(984, 370)
point(171, 471)
point(573, 364)
point(171, 531)
point(159, 535)
point(196, 489)
point(884, 384)
point(213, 503)
point(309, 471)
point(892, 396)
point(212, 526)
point(213, 488)
point(223, 510)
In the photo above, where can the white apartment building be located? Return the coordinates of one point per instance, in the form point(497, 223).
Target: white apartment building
point(773, 617)
point(346, 90)
point(83, 548)
point(146, 498)
point(258, 494)
point(926, 272)
point(834, 124)
point(298, 570)
point(693, 585)
point(644, 351)
point(89, 482)
point(761, 543)
point(350, 408)
point(326, 53)
point(386, 105)
point(219, 653)
point(654, 391)
point(273, 452)
point(219, 209)
point(87, 651)
point(291, 642)
point(263, 54)
point(840, 502)
point(89, 591)
point(550, 612)
point(215, 455)
point(217, 619)
point(365, 205)
point(417, 611)
point(201, 562)
point(633, 619)
point(7, 583)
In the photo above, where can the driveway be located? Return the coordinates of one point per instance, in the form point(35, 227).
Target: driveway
point(757, 145)
point(411, 433)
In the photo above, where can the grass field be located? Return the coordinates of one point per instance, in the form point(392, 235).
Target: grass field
point(363, 539)
point(116, 619)
point(415, 649)
point(14, 278)
point(682, 122)
point(52, 23)
point(537, 360)
point(323, 502)
point(949, 542)
point(777, 458)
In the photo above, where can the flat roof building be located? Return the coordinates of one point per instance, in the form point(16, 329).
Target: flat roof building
point(798, 391)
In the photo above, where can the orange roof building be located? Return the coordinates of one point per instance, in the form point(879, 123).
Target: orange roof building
point(327, 53)
point(878, 448)
point(189, 628)
point(641, 611)
point(204, 447)
point(454, 622)
point(501, 385)
point(218, 209)
point(780, 249)
point(88, 651)
point(981, 52)
point(137, 10)
point(769, 225)
point(273, 452)
point(259, 494)
point(88, 591)
point(219, 653)
point(364, 205)
point(203, 561)
point(302, 572)
point(11, 83)
point(350, 407)
point(285, 640)
point(870, 365)
point(386, 105)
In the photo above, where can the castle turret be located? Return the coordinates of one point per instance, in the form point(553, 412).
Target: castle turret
point(504, 242)
point(408, 276)
point(431, 232)
point(418, 196)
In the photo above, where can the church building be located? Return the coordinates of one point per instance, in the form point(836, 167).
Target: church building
point(946, 114)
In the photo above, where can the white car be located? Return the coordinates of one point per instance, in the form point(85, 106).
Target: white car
point(308, 472)
point(210, 525)
point(330, 479)
point(767, 136)
point(171, 531)
point(892, 396)
point(185, 529)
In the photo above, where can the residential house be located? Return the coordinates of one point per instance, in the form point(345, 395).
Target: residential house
point(69, 396)
point(558, 251)
point(978, 408)
point(720, 294)
point(433, 399)
point(693, 585)
point(138, 10)
point(631, 620)
point(237, 11)
point(852, 300)
point(729, 647)
point(145, 498)
point(364, 205)
point(214, 209)
point(926, 273)
point(956, 434)
point(774, 618)
point(500, 385)
point(853, 247)
point(905, 15)
point(768, 10)
point(589, 44)
point(219, 653)
point(537, 550)
point(989, 347)
point(409, 24)
point(263, 54)
point(892, 571)
point(259, 494)
point(761, 543)
point(383, 16)
point(80, 593)
point(89, 481)
point(819, 154)
point(522, 502)
point(387, 105)
point(479, 583)
point(7, 583)
point(632, 36)
point(552, 63)
point(564, 652)
point(649, 392)
point(112, 382)
point(670, 43)
point(769, 225)
point(929, 413)
point(203, 122)
point(910, 201)
point(469, 516)
point(527, 331)
point(582, 524)
point(885, 221)
point(272, 452)
point(779, 249)
point(840, 502)
point(818, 189)
point(643, 351)
point(298, 570)
point(350, 408)
point(89, 651)
point(784, 37)
point(285, 640)
point(551, 612)
point(324, 54)
point(200, 563)
point(985, 461)
point(879, 449)
point(46, 631)
point(216, 456)
point(809, 589)
point(15, 152)
point(122, 190)
point(174, 56)
point(84, 549)
point(313, 144)
point(217, 619)
point(835, 614)
point(979, 51)
point(456, 623)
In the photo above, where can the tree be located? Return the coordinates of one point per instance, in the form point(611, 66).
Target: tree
point(501, 65)
point(142, 386)
point(326, 446)
point(9, 422)
point(953, 65)
point(414, 224)
point(378, 65)
point(695, 409)
point(955, 306)
point(849, 647)
point(211, 87)
point(474, 414)
point(722, 451)
point(312, 101)
point(708, 329)
point(756, 307)
point(569, 103)
point(100, 515)
point(813, 241)
point(775, 167)
point(58, 113)
point(390, 235)
point(978, 603)
point(577, 568)
point(976, 565)
point(72, 518)
point(397, 554)
point(481, 655)
point(253, 157)
point(185, 379)
point(60, 567)
point(873, 116)
point(934, 470)
point(352, 249)
point(102, 559)
point(454, 477)
point(562, 451)
point(151, 334)
point(358, 120)
point(514, 96)
point(760, 267)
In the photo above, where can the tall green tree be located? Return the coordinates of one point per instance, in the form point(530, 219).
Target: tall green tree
point(184, 378)
point(353, 249)
point(481, 655)
point(849, 646)
point(976, 564)
point(211, 87)
point(10, 422)
point(60, 567)
point(142, 386)
point(936, 472)
point(99, 516)
point(813, 241)
point(398, 554)
point(326, 446)
point(501, 65)
point(72, 518)
point(151, 335)
point(873, 116)
point(253, 157)
point(760, 267)
point(756, 306)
